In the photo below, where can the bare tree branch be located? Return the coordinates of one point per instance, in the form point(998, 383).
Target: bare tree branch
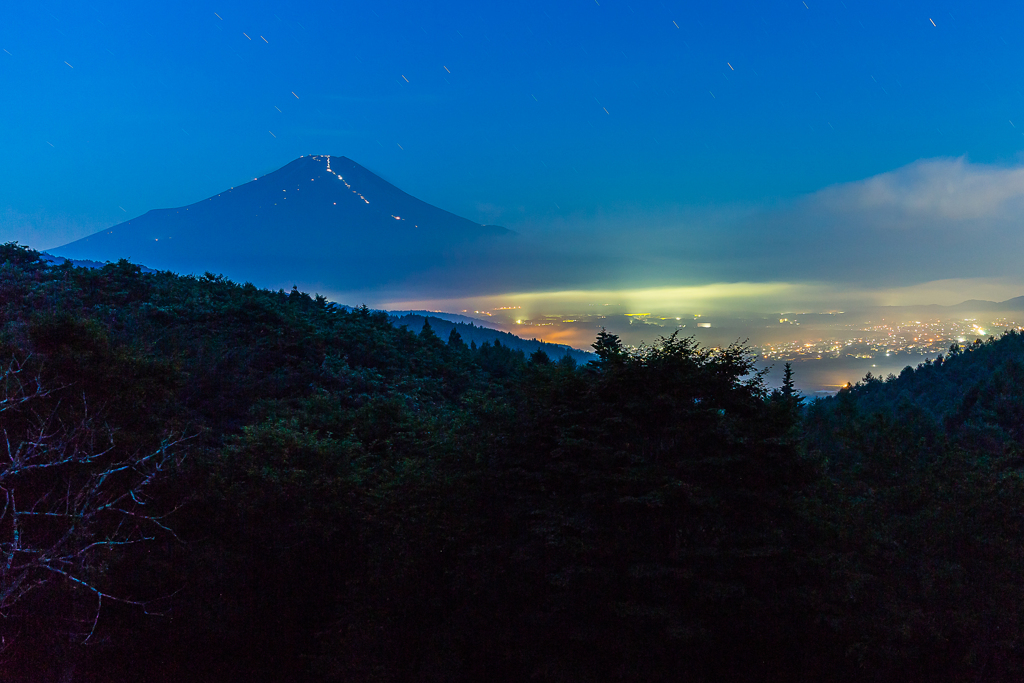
point(67, 495)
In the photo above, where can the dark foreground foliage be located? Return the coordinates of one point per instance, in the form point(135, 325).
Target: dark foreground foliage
point(310, 493)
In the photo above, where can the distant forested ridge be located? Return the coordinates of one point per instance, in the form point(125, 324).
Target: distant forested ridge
point(81, 263)
point(206, 481)
point(478, 335)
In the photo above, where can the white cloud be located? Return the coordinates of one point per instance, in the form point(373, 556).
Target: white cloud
point(935, 219)
point(945, 189)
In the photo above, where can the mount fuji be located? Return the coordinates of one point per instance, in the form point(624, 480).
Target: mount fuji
point(324, 222)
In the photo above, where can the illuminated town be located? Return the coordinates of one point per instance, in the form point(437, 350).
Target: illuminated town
point(802, 338)
point(875, 340)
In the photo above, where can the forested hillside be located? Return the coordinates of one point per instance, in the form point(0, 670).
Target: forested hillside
point(475, 335)
point(925, 480)
point(205, 481)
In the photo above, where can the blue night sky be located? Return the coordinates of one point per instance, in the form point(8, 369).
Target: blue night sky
point(744, 120)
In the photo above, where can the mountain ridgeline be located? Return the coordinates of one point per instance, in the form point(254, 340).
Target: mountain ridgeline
point(207, 481)
point(325, 218)
point(476, 335)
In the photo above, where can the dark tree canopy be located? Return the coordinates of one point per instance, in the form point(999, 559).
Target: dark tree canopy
point(358, 502)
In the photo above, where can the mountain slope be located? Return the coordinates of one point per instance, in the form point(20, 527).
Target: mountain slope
point(476, 334)
point(318, 220)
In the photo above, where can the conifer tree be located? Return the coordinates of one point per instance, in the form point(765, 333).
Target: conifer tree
point(455, 339)
point(608, 348)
